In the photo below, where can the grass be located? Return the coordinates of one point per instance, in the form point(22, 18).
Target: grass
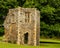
point(47, 45)
point(8, 45)
point(50, 40)
point(50, 43)
point(54, 44)
point(1, 37)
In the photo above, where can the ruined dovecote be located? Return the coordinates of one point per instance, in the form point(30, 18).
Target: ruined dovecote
point(22, 26)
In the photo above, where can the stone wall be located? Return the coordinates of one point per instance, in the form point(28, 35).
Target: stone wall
point(22, 21)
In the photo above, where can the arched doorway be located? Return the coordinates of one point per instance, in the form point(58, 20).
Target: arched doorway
point(26, 38)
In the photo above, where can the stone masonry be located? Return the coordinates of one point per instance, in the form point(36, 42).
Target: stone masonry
point(22, 26)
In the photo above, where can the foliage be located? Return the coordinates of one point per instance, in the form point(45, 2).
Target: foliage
point(1, 31)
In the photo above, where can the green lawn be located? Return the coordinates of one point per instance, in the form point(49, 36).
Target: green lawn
point(1, 38)
point(55, 44)
point(49, 45)
point(8, 45)
point(50, 40)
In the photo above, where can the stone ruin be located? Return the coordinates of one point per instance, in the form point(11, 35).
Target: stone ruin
point(22, 26)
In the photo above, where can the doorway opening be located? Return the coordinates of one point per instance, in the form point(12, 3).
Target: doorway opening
point(26, 38)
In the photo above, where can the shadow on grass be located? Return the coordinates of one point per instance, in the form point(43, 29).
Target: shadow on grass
point(46, 44)
point(50, 42)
